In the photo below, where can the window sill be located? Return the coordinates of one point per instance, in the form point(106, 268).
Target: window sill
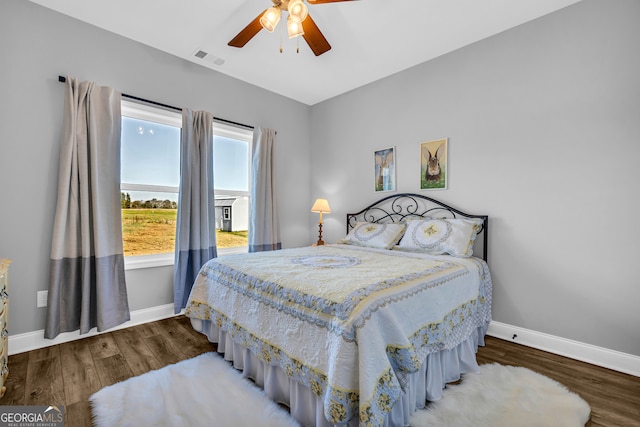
point(238, 250)
point(163, 260)
point(148, 261)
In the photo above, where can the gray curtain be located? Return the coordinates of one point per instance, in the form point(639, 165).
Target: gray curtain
point(264, 229)
point(86, 275)
point(195, 228)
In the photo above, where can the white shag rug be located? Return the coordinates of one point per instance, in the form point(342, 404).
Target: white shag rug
point(203, 391)
point(505, 396)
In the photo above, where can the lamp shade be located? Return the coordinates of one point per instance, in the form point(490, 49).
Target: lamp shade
point(294, 28)
point(297, 10)
point(270, 19)
point(321, 206)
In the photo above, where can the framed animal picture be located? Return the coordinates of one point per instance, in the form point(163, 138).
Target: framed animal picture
point(385, 169)
point(433, 162)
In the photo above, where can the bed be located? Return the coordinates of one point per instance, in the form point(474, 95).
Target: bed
point(361, 332)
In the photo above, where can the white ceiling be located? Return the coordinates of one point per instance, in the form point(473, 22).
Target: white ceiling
point(370, 39)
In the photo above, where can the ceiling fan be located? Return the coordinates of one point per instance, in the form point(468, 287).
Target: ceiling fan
point(299, 23)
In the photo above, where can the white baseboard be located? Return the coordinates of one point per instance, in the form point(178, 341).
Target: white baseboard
point(611, 359)
point(35, 340)
point(599, 356)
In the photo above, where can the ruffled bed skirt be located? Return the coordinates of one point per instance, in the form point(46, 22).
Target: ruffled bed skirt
point(424, 385)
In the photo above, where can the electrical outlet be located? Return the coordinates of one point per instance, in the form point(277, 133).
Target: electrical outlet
point(42, 299)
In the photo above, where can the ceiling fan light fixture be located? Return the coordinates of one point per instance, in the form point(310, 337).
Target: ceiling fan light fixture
point(294, 28)
point(297, 10)
point(270, 19)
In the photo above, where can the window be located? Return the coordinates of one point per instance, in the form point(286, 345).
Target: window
point(150, 178)
point(231, 178)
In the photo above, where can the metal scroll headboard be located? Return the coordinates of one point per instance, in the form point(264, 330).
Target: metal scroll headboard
point(400, 207)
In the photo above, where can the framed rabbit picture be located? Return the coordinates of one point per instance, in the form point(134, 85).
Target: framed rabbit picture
point(433, 161)
point(385, 169)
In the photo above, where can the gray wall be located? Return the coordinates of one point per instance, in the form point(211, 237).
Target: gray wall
point(543, 127)
point(543, 124)
point(37, 45)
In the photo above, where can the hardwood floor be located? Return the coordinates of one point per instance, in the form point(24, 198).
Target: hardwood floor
point(67, 374)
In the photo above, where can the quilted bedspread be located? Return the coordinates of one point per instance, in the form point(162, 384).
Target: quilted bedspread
point(348, 322)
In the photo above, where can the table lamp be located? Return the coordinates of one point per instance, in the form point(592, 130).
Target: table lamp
point(321, 206)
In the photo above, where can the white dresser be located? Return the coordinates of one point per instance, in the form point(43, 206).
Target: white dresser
point(4, 318)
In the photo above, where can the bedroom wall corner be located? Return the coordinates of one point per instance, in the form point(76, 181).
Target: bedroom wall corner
point(39, 44)
point(542, 122)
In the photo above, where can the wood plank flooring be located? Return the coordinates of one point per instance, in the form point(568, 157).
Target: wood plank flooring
point(67, 374)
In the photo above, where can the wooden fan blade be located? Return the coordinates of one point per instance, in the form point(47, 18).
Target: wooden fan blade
point(248, 32)
point(326, 1)
point(314, 37)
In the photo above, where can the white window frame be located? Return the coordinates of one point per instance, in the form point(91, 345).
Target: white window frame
point(233, 132)
point(154, 114)
point(173, 118)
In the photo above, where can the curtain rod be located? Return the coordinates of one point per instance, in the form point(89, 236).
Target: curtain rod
point(62, 79)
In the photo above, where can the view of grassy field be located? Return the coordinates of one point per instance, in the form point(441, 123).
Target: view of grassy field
point(152, 231)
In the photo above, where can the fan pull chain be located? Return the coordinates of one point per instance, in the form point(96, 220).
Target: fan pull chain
point(298, 44)
point(281, 32)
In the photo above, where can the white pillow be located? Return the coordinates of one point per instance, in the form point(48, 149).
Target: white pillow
point(453, 236)
point(374, 235)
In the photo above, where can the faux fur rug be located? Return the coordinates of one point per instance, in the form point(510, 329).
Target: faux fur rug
point(505, 396)
point(203, 391)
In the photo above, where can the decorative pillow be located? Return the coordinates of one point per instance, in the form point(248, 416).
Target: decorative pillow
point(453, 236)
point(374, 235)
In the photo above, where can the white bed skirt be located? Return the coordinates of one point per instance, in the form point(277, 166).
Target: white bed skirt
point(424, 385)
